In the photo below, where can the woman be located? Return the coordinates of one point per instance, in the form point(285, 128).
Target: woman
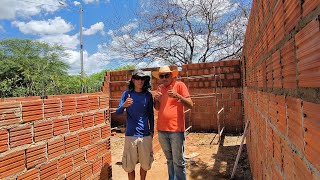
point(138, 102)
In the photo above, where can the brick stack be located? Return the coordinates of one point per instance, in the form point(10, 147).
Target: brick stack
point(62, 137)
point(19, 98)
point(281, 94)
point(202, 79)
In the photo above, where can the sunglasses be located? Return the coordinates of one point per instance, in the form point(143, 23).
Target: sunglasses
point(162, 76)
point(139, 78)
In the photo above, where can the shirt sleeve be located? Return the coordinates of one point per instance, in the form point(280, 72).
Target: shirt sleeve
point(120, 109)
point(183, 90)
point(151, 113)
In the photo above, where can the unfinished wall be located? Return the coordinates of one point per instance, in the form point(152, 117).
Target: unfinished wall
point(281, 63)
point(199, 78)
point(61, 137)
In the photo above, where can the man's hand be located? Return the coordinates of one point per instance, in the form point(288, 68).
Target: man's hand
point(157, 95)
point(128, 102)
point(172, 93)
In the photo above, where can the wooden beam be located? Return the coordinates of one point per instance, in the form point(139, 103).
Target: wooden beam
point(240, 149)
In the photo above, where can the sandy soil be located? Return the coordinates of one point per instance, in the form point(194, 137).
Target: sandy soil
point(212, 162)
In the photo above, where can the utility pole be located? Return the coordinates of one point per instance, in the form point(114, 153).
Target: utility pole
point(83, 88)
point(81, 51)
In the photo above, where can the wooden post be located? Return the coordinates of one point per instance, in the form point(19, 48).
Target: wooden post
point(240, 149)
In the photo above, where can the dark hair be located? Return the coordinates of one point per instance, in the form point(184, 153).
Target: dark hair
point(146, 86)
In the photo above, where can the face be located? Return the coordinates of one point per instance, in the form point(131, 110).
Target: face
point(138, 82)
point(165, 78)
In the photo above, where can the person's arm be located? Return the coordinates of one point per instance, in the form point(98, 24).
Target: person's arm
point(156, 104)
point(187, 101)
point(182, 94)
point(151, 115)
point(124, 103)
point(156, 97)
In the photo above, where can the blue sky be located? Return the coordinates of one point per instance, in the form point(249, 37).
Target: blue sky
point(49, 21)
point(103, 20)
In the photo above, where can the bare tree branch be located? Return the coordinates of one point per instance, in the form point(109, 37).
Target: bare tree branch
point(182, 32)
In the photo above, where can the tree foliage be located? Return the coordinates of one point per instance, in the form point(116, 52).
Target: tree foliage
point(30, 68)
point(185, 31)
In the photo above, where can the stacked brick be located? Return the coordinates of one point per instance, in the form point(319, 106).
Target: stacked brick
point(282, 89)
point(62, 137)
point(208, 81)
point(20, 98)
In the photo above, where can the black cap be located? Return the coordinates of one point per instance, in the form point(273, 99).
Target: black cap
point(140, 73)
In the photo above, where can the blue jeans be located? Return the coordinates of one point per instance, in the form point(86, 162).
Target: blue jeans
point(172, 144)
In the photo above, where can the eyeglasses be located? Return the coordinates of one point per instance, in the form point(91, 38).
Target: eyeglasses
point(162, 76)
point(139, 78)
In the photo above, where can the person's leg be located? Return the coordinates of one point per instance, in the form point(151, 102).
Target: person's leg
point(131, 175)
point(130, 155)
point(145, 153)
point(177, 143)
point(164, 141)
point(143, 174)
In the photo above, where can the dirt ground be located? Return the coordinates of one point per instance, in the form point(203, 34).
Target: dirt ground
point(212, 161)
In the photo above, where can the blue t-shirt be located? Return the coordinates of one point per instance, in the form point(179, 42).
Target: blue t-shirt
point(140, 116)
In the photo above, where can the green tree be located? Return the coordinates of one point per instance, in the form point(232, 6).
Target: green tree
point(30, 68)
point(126, 67)
point(94, 82)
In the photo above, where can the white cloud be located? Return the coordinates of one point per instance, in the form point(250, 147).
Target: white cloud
point(96, 62)
point(156, 63)
point(90, 1)
point(94, 29)
point(2, 29)
point(10, 9)
point(91, 63)
point(76, 3)
point(49, 27)
point(129, 27)
point(73, 56)
point(111, 33)
point(105, 49)
point(67, 41)
point(51, 31)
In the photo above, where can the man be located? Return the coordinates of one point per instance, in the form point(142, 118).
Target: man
point(138, 102)
point(170, 99)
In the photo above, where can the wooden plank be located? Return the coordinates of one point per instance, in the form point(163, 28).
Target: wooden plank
point(240, 149)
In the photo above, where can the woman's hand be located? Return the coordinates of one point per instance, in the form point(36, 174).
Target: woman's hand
point(128, 102)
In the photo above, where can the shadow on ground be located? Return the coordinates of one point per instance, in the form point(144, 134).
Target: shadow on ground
point(220, 165)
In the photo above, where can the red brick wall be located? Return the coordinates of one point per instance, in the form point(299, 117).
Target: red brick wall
point(63, 137)
point(200, 81)
point(281, 62)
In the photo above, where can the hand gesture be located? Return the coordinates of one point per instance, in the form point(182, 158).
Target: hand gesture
point(172, 93)
point(157, 94)
point(128, 102)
